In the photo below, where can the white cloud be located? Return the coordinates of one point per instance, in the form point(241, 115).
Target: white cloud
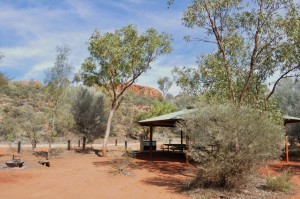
point(37, 30)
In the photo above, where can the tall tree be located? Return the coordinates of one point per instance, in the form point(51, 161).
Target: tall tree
point(164, 84)
point(57, 82)
point(254, 40)
point(118, 59)
point(31, 122)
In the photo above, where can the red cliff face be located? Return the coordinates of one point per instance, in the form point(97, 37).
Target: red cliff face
point(145, 90)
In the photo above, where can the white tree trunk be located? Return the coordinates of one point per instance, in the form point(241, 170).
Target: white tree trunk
point(107, 132)
point(50, 136)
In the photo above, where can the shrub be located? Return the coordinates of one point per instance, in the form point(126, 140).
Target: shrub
point(89, 114)
point(229, 142)
point(124, 164)
point(280, 182)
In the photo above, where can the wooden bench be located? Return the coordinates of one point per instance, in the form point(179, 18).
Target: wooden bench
point(173, 147)
point(163, 147)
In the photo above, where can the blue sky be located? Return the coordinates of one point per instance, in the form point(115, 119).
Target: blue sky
point(31, 29)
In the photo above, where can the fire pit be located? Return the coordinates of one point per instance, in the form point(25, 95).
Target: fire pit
point(14, 163)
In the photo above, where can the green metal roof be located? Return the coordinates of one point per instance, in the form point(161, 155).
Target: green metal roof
point(290, 119)
point(167, 120)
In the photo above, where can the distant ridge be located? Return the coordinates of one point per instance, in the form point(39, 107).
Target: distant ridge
point(145, 90)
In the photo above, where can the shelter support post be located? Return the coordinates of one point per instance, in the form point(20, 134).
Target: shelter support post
point(181, 137)
point(151, 135)
point(187, 148)
point(286, 148)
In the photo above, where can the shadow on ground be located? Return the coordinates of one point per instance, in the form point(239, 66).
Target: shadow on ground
point(292, 166)
point(89, 151)
point(171, 183)
point(104, 163)
point(42, 154)
point(171, 169)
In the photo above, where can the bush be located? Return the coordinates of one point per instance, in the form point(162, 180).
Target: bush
point(280, 182)
point(89, 114)
point(123, 165)
point(229, 142)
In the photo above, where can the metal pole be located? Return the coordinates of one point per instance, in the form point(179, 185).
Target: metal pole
point(19, 147)
point(187, 149)
point(34, 143)
point(286, 145)
point(151, 134)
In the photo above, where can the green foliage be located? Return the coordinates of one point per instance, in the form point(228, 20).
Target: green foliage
point(185, 101)
point(89, 114)
point(134, 104)
point(118, 59)
point(281, 182)
point(31, 122)
point(136, 99)
point(252, 44)
point(156, 109)
point(4, 80)
point(164, 85)
point(57, 77)
point(20, 97)
point(57, 82)
point(189, 80)
point(288, 97)
point(25, 119)
point(8, 129)
point(229, 143)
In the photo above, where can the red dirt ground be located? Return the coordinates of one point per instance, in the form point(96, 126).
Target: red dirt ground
point(294, 166)
point(78, 175)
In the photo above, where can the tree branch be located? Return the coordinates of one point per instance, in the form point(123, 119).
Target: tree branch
point(253, 56)
point(277, 81)
point(222, 49)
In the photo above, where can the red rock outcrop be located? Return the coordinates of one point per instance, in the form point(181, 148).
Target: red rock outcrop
point(145, 90)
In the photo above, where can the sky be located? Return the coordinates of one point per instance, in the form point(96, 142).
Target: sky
point(30, 30)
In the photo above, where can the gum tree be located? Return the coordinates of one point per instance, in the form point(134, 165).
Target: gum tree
point(254, 41)
point(57, 82)
point(117, 60)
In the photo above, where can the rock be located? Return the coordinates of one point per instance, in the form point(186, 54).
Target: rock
point(145, 90)
point(45, 162)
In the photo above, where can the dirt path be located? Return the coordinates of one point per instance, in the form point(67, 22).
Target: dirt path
point(78, 175)
point(89, 176)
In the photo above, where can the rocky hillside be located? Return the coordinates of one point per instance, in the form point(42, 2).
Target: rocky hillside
point(22, 101)
point(145, 90)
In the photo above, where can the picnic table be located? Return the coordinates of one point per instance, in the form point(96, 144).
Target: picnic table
point(173, 147)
